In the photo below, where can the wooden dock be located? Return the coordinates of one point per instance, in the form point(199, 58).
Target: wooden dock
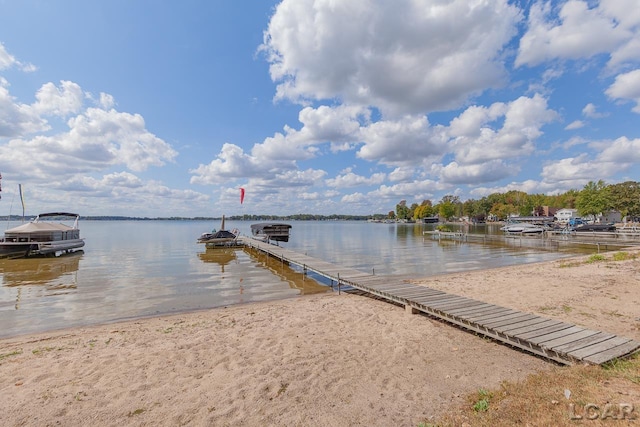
point(558, 341)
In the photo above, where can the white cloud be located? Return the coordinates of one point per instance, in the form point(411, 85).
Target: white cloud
point(407, 141)
point(578, 32)
point(122, 135)
point(494, 170)
point(576, 124)
point(96, 140)
point(17, 119)
point(473, 119)
point(403, 56)
point(591, 112)
point(106, 101)
point(529, 186)
point(331, 124)
point(296, 178)
point(232, 163)
point(415, 190)
point(7, 61)
point(477, 142)
point(623, 151)
point(577, 170)
point(287, 147)
point(354, 198)
point(627, 14)
point(350, 179)
point(330, 193)
point(310, 196)
point(319, 125)
point(59, 101)
point(400, 174)
point(627, 86)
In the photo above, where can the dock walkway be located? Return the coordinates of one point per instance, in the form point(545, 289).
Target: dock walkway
point(555, 340)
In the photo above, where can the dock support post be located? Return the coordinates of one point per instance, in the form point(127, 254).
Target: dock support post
point(409, 309)
point(338, 283)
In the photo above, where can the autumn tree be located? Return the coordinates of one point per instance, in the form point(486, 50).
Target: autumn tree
point(424, 210)
point(625, 198)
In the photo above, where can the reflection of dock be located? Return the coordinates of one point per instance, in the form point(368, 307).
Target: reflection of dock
point(552, 339)
point(225, 255)
point(296, 279)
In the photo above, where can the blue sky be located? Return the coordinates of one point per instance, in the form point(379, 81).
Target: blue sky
point(160, 108)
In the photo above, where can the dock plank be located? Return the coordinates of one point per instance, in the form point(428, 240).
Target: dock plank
point(553, 335)
point(584, 342)
point(612, 353)
point(600, 347)
point(544, 331)
point(481, 318)
point(473, 310)
point(530, 323)
point(510, 320)
point(567, 339)
point(533, 327)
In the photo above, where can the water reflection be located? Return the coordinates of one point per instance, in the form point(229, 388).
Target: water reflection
point(220, 256)
point(224, 257)
point(40, 271)
point(40, 277)
point(295, 278)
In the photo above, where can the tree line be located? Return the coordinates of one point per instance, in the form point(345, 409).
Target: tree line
point(595, 198)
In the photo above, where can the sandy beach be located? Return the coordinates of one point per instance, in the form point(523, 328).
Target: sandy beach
point(322, 360)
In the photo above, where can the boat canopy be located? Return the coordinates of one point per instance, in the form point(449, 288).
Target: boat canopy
point(32, 227)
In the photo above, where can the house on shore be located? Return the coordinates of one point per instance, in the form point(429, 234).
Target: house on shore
point(564, 215)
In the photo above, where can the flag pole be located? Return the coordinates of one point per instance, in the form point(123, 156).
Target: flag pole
point(21, 200)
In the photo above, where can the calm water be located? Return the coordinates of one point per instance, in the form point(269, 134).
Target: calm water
point(139, 268)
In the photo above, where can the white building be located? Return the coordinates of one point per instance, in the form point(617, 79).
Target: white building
point(564, 215)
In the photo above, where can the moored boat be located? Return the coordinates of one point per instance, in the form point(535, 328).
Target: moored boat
point(220, 237)
point(522, 228)
point(42, 237)
point(595, 227)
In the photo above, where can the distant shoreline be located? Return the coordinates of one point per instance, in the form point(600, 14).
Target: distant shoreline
point(300, 217)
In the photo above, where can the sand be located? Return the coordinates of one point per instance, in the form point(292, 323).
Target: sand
point(320, 360)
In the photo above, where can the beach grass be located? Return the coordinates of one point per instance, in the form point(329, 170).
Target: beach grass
point(566, 396)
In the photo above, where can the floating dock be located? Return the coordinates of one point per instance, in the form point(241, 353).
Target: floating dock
point(558, 341)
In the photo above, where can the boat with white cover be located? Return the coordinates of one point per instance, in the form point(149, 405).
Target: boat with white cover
point(42, 236)
point(522, 228)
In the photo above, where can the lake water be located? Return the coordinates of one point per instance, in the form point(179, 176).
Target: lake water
point(132, 269)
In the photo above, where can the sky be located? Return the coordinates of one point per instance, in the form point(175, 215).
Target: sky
point(161, 108)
